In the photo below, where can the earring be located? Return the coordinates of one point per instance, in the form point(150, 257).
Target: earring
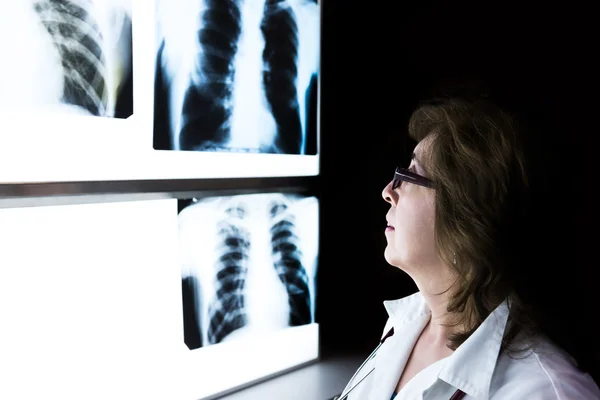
point(454, 258)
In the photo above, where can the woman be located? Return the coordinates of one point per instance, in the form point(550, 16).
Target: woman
point(482, 324)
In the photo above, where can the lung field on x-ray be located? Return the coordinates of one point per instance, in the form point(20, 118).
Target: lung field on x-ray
point(279, 77)
point(287, 261)
point(248, 88)
point(78, 39)
point(207, 102)
point(227, 311)
point(69, 55)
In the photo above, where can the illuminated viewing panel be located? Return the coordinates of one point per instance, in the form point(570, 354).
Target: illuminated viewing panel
point(248, 286)
point(103, 90)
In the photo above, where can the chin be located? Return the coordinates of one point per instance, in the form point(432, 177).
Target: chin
point(391, 257)
point(395, 259)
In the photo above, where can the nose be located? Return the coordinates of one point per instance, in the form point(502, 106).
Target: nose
point(389, 195)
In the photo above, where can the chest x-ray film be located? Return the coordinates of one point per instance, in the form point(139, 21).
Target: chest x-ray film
point(237, 76)
point(248, 285)
point(68, 56)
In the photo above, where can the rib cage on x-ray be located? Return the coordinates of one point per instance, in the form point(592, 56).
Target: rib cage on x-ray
point(248, 87)
point(244, 271)
point(76, 56)
point(226, 311)
point(78, 39)
point(288, 263)
point(279, 77)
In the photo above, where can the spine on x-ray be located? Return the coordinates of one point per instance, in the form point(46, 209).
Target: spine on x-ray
point(207, 105)
point(78, 40)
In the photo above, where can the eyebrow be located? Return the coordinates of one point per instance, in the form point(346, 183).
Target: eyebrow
point(414, 157)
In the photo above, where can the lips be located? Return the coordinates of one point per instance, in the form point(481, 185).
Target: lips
point(389, 226)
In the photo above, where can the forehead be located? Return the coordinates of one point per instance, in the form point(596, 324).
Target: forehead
point(422, 147)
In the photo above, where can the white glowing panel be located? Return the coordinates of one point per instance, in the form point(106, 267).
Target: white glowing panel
point(248, 283)
point(91, 304)
point(89, 301)
point(58, 124)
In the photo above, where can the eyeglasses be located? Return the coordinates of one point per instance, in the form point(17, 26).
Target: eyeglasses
point(404, 175)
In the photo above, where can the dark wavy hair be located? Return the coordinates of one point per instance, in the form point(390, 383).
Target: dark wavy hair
point(491, 185)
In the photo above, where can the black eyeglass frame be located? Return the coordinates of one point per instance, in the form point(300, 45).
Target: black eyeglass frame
point(404, 175)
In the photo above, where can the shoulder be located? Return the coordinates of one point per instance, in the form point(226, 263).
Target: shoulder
point(545, 372)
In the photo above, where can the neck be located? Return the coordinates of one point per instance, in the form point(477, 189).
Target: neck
point(436, 289)
point(440, 325)
point(436, 293)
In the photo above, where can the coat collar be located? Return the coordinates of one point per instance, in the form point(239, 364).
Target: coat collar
point(469, 368)
point(408, 317)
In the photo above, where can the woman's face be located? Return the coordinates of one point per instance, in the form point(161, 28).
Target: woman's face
point(410, 221)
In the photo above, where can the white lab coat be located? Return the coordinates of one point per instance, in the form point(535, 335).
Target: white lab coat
point(546, 373)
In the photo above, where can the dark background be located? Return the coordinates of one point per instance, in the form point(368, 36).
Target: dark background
point(378, 60)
